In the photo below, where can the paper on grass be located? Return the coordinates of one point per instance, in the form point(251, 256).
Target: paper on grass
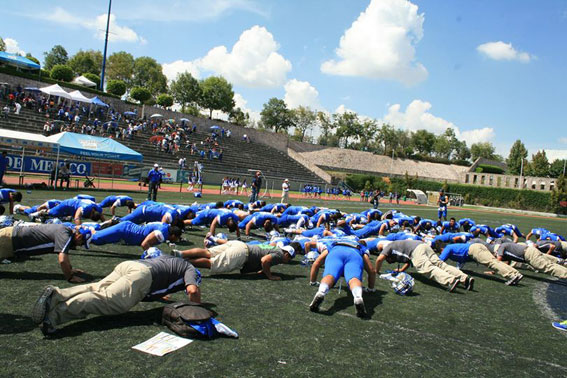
point(162, 344)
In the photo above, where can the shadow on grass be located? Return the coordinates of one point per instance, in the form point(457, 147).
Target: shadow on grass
point(484, 276)
point(546, 280)
point(430, 282)
point(41, 276)
point(108, 254)
point(11, 324)
point(255, 276)
point(371, 301)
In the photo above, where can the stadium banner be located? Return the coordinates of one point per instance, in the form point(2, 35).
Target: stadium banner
point(35, 164)
point(132, 171)
point(183, 175)
point(102, 168)
point(170, 175)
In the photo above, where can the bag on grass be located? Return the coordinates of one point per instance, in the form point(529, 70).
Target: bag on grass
point(189, 319)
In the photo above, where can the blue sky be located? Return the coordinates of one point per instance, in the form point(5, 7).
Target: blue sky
point(493, 70)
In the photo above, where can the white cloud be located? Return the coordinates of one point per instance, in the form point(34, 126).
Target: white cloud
point(381, 43)
point(301, 93)
point(117, 33)
point(553, 155)
point(563, 140)
point(252, 62)
point(240, 102)
point(417, 116)
point(503, 51)
point(13, 47)
point(171, 70)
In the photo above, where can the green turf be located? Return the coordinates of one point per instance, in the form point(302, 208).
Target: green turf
point(494, 331)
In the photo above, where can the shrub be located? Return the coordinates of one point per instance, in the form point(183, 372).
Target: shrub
point(140, 94)
point(62, 72)
point(116, 87)
point(486, 168)
point(93, 77)
point(164, 100)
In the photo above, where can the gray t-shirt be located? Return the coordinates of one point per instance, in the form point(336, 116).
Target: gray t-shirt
point(169, 275)
point(42, 239)
point(489, 246)
point(512, 251)
point(545, 245)
point(401, 250)
point(255, 254)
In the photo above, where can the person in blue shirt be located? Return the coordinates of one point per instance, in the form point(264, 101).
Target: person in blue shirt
point(118, 201)
point(538, 232)
point(461, 253)
point(216, 218)
point(3, 165)
point(482, 229)
point(372, 214)
point(466, 224)
point(295, 210)
point(76, 208)
point(298, 221)
point(132, 234)
point(443, 202)
point(424, 225)
point(27, 210)
point(450, 238)
point(375, 227)
point(234, 204)
point(10, 196)
point(552, 236)
point(154, 179)
point(153, 213)
point(343, 259)
point(260, 219)
point(451, 226)
point(510, 230)
point(356, 219)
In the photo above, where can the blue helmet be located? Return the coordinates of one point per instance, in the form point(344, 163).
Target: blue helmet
point(151, 253)
point(222, 235)
point(404, 283)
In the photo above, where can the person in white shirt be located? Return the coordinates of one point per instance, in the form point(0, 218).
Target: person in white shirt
point(18, 107)
point(285, 191)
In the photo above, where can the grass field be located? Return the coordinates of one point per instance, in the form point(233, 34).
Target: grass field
point(494, 331)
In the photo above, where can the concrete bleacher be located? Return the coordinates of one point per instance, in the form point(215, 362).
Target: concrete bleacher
point(343, 160)
point(238, 156)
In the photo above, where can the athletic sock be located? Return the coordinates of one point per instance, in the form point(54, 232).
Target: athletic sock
point(357, 293)
point(323, 289)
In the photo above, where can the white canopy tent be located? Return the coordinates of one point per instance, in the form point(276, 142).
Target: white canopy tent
point(81, 80)
point(420, 197)
point(78, 96)
point(55, 90)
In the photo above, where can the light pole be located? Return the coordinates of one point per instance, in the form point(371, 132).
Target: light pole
point(105, 46)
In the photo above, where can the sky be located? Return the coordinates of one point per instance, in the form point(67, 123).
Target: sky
point(493, 70)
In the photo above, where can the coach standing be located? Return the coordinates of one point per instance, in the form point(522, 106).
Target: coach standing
point(285, 191)
point(154, 179)
point(256, 185)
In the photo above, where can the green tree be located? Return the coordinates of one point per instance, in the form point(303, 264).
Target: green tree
point(62, 72)
point(148, 73)
point(557, 168)
point(238, 117)
point(276, 115)
point(348, 127)
point(423, 142)
point(86, 61)
point(517, 153)
point(57, 55)
point(326, 126)
point(304, 120)
point(116, 87)
point(483, 149)
point(32, 58)
point(443, 147)
point(462, 152)
point(2, 45)
point(539, 165)
point(92, 77)
point(185, 89)
point(216, 94)
point(559, 196)
point(140, 94)
point(120, 66)
point(164, 100)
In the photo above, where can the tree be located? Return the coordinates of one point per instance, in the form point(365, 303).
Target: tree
point(539, 165)
point(92, 77)
point(62, 72)
point(518, 152)
point(120, 66)
point(57, 55)
point(238, 117)
point(462, 152)
point(2, 45)
point(557, 168)
point(559, 196)
point(32, 58)
point(443, 147)
point(164, 100)
point(216, 94)
point(185, 89)
point(276, 115)
point(142, 95)
point(483, 149)
point(423, 142)
point(116, 87)
point(148, 73)
point(348, 127)
point(86, 61)
point(304, 120)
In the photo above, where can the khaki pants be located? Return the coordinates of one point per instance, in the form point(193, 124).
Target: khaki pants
point(6, 247)
point(426, 262)
point(285, 197)
point(115, 294)
point(544, 263)
point(482, 255)
point(228, 257)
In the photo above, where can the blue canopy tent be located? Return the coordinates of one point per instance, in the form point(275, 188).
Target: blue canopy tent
point(94, 147)
point(98, 101)
point(18, 61)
